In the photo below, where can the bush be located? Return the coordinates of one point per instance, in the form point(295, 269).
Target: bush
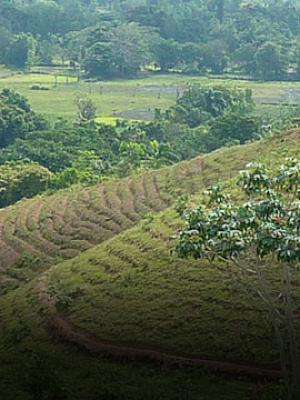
point(39, 87)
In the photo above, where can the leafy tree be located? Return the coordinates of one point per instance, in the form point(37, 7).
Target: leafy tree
point(86, 110)
point(132, 155)
point(234, 127)
point(185, 142)
point(99, 61)
point(12, 98)
point(211, 36)
point(44, 18)
point(166, 53)
point(22, 51)
point(215, 56)
point(75, 44)
point(296, 56)
point(16, 117)
point(130, 48)
point(244, 56)
point(219, 7)
point(48, 49)
point(266, 225)
point(21, 179)
point(192, 58)
point(270, 62)
point(58, 148)
point(120, 51)
point(5, 39)
point(199, 104)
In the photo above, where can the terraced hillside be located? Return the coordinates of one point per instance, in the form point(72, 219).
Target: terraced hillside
point(39, 232)
point(129, 299)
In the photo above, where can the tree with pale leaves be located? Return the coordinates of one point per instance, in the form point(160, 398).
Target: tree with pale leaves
point(244, 235)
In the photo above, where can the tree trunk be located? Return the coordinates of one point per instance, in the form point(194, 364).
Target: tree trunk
point(264, 293)
point(293, 351)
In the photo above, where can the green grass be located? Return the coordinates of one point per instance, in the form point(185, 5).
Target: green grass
point(111, 98)
point(112, 120)
point(34, 365)
point(129, 99)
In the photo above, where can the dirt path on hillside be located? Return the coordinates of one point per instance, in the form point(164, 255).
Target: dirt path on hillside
point(63, 329)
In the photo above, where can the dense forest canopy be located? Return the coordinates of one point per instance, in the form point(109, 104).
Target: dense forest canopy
point(107, 38)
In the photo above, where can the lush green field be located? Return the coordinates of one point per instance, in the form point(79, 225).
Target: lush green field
point(135, 98)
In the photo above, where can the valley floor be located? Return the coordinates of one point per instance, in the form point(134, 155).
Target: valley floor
point(135, 99)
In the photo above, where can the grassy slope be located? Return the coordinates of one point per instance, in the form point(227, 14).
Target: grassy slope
point(34, 366)
point(130, 290)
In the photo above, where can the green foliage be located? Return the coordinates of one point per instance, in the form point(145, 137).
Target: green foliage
point(127, 147)
point(22, 51)
point(235, 128)
point(140, 265)
point(16, 117)
point(199, 104)
point(87, 168)
point(54, 149)
point(11, 98)
point(86, 110)
point(113, 38)
point(270, 62)
point(19, 180)
point(121, 52)
point(268, 222)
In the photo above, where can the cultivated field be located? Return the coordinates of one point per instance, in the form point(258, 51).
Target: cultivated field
point(44, 230)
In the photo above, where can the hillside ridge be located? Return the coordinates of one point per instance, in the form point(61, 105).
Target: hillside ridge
point(49, 229)
point(46, 230)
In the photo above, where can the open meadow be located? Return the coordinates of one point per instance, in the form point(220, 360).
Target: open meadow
point(134, 99)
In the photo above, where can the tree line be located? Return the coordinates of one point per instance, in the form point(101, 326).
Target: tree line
point(115, 38)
